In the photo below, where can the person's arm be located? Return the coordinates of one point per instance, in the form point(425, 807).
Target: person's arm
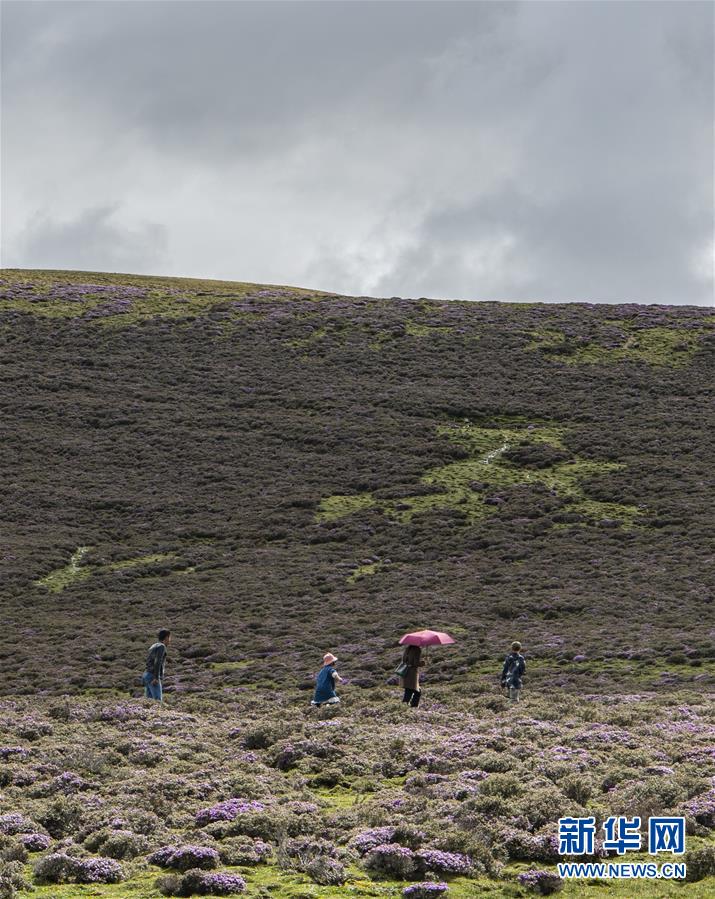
point(337, 677)
point(505, 669)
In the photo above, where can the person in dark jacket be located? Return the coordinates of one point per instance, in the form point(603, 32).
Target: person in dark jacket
point(325, 682)
point(410, 680)
point(153, 677)
point(514, 668)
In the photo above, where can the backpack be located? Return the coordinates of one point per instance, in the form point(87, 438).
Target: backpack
point(514, 672)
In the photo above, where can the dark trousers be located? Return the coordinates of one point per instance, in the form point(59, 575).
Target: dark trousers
point(412, 696)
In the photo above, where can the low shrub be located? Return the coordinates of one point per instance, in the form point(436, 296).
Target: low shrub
point(443, 862)
point(391, 860)
point(12, 849)
point(326, 871)
point(363, 842)
point(227, 810)
point(118, 844)
point(200, 883)
point(425, 890)
point(99, 870)
point(12, 879)
point(244, 851)
point(35, 842)
point(184, 858)
point(701, 863)
point(13, 823)
point(542, 882)
point(62, 817)
point(62, 868)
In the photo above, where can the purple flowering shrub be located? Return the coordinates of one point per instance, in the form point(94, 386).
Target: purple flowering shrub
point(35, 842)
point(443, 862)
point(60, 867)
point(427, 889)
point(12, 879)
point(185, 857)
point(245, 851)
point(363, 842)
point(391, 860)
point(542, 882)
point(197, 882)
point(117, 843)
point(14, 822)
point(227, 810)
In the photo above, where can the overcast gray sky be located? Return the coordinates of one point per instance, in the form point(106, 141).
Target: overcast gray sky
point(477, 150)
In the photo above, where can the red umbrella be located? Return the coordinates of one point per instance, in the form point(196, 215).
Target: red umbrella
point(426, 638)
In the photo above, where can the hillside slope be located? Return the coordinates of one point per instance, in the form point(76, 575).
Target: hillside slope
point(295, 469)
point(275, 472)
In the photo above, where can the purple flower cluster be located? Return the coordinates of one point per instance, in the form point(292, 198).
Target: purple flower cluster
point(702, 808)
point(13, 823)
point(444, 862)
point(367, 840)
point(7, 752)
point(425, 890)
point(62, 868)
point(182, 858)
point(98, 870)
point(69, 782)
point(228, 810)
point(35, 842)
point(223, 884)
point(218, 884)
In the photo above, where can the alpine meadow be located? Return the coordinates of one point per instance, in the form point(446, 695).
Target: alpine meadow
point(276, 473)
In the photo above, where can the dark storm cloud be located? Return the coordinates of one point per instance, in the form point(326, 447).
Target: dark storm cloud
point(551, 151)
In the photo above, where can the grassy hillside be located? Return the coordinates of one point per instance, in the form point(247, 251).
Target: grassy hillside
point(274, 472)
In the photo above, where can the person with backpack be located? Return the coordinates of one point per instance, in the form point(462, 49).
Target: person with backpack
point(153, 677)
point(514, 668)
point(325, 682)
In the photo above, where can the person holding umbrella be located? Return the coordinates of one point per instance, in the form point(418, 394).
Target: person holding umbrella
point(410, 679)
point(409, 668)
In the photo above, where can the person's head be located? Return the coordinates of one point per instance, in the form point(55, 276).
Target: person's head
point(164, 635)
point(329, 659)
point(516, 646)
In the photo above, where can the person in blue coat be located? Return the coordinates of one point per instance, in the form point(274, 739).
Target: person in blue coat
point(326, 681)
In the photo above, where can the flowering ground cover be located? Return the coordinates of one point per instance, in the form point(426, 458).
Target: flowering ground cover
point(274, 473)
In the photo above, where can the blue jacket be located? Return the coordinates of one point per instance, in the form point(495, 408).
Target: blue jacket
point(325, 684)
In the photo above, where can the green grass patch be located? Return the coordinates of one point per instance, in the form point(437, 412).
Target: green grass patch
point(57, 580)
point(486, 465)
point(334, 507)
point(414, 329)
point(302, 342)
point(672, 347)
point(364, 571)
point(230, 666)
point(139, 560)
point(60, 578)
